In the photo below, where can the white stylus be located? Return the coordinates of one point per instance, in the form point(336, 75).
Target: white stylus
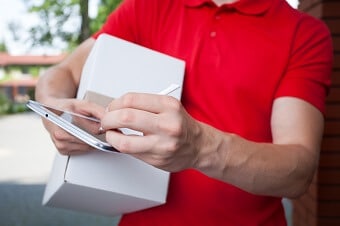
point(169, 89)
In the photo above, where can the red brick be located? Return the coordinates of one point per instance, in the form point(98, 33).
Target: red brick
point(333, 111)
point(333, 25)
point(329, 192)
point(330, 160)
point(336, 75)
point(331, 8)
point(330, 144)
point(329, 209)
point(333, 221)
point(336, 61)
point(329, 176)
point(332, 128)
point(336, 40)
point(334, 95)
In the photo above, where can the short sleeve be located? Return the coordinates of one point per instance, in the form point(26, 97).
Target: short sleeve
point(310, 64)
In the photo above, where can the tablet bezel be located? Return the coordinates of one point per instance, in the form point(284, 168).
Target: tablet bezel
point(74, 130)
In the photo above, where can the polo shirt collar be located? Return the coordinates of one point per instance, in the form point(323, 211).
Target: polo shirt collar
point(251, 7)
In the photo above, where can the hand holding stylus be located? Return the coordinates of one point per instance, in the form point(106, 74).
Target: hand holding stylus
point(170, 135)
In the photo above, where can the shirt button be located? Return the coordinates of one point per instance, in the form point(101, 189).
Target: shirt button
point(213, 34)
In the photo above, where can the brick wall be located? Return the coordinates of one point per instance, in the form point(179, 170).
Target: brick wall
point(320, 206)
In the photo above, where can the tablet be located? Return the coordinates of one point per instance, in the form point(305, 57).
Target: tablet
point(83, 127)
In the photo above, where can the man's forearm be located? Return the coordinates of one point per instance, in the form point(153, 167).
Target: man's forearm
point(62, 80)
point(259, 168)
point(57, 82)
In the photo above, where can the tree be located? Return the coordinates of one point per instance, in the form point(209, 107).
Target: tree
point(65, 21)
point(56, 17)
point(104, 9)
point(85, 21)
point(3, 47)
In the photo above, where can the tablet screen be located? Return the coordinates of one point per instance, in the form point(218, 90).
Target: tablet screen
point(88, 124)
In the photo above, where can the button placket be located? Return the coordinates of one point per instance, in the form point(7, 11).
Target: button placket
point(215, 21)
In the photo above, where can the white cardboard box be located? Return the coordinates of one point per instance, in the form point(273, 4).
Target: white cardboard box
point(116, 66)
point(114, 183)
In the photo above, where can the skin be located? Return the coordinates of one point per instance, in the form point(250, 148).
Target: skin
point(174, 141)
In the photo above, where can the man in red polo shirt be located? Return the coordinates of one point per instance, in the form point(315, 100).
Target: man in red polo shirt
point(248, 128)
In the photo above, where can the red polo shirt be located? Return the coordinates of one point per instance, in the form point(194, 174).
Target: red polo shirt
point(239, 58)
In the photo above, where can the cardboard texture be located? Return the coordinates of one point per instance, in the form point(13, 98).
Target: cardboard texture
point(113, 183)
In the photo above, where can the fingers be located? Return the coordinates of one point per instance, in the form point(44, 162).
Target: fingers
point(68, 144)
point(89, 109)
point(89, 126)
point(169, 133)
point(141, 112)
point(162, 152)
point(142, 101)
point(129, 143)
point(138, 120)
point(151, 149)
point(65, 142)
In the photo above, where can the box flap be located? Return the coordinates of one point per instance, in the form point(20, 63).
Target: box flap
point(95, 201)
point(118, 173)
point(97, 98)
point(57, 176)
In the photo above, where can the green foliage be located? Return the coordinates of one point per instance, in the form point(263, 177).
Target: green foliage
point(65, 21)
point(3, 47)
point(34, 71)
point(56, 17)
point(17, 108)
point(9, 107)
point(104, 9)
point(4, 104)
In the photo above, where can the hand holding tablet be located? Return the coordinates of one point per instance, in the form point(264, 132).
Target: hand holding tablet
point(85, 128)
